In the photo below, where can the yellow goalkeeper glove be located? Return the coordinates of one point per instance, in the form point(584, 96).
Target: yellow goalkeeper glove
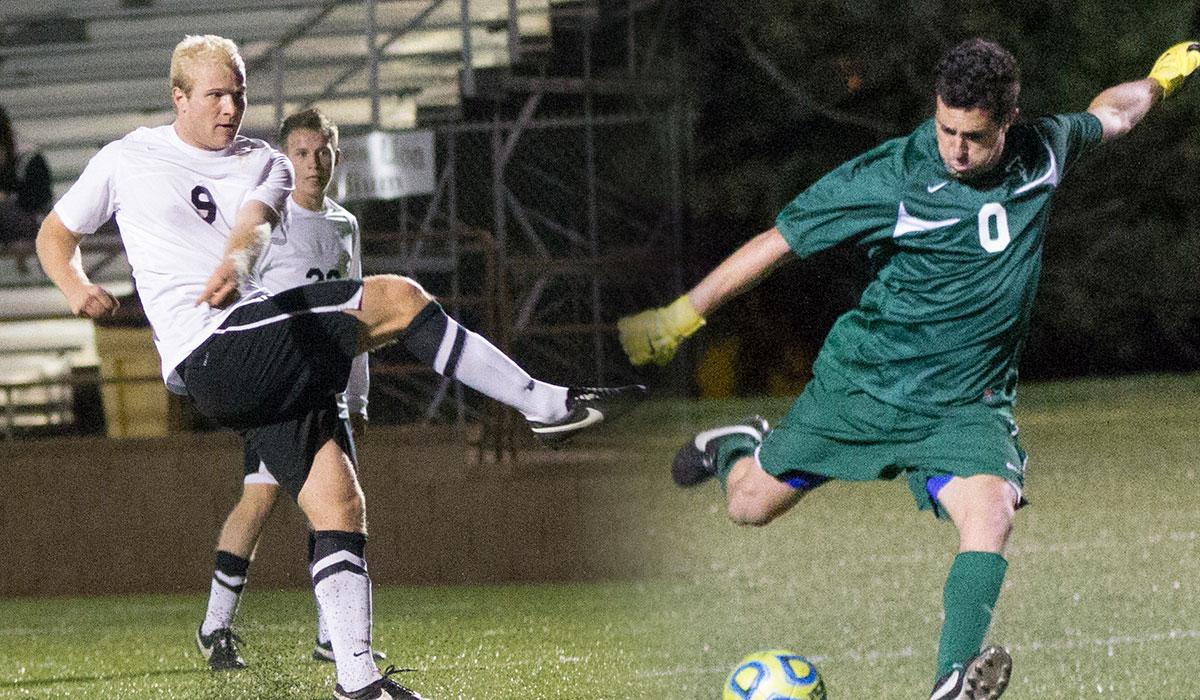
point(655, 334)
point(1175, 65)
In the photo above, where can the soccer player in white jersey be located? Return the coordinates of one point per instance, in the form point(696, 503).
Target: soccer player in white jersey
point(195, 204)
point(319, 241)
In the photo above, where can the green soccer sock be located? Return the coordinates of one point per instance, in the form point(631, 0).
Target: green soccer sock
point(730, 449)
point(972, 588)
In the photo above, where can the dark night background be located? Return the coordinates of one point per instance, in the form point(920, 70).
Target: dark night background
point(783, 92)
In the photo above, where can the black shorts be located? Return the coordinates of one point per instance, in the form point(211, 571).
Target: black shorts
point(273, 371)
point(289, 448)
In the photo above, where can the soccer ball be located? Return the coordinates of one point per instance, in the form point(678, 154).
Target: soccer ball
point(774, 675)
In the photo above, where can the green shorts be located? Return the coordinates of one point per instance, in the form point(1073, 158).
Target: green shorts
point(835, 430)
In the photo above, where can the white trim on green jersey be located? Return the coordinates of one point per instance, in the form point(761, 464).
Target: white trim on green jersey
point(956, 263)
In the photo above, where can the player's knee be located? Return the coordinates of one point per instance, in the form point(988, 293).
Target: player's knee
point(998, 518)
point(745, 507)
point(988, 523)
point(402, 296)
point(354, 507)
point(749, 515)
point(754, 497)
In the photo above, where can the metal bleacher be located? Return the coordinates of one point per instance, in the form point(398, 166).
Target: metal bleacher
point(75, 74)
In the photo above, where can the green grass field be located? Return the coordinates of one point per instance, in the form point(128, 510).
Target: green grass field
point(1102, 598)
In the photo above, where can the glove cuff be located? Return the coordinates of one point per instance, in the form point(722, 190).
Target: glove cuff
point(683, 317)
point(1173, 67)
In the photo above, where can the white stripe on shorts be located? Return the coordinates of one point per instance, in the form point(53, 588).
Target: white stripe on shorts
point(262, 476)
point(351, 303)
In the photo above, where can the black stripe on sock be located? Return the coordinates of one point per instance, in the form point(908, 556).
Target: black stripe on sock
point(235, 589)
point(460, 337)
point(425, 332)
point(326, 542)
point(337, 569)
point(231, 564)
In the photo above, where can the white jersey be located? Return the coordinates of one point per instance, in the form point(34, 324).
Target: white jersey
point(175, 206)
point(311, 247)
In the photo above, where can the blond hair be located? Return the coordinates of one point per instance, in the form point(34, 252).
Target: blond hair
point(197, 48)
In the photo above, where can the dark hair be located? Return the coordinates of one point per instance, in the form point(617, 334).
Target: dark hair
point(979, 73)
point(311, 118)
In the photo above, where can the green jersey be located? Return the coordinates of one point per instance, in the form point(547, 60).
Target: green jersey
point(956, 264)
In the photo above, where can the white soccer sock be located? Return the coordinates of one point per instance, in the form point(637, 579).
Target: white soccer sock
point(229, 578)
point(343, 592)
point(483, 367)
point(322, 628)
point(453, 351)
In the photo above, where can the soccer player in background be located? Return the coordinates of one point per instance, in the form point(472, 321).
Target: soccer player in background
point(920, 378)
point(195, 204)
point(319, 240)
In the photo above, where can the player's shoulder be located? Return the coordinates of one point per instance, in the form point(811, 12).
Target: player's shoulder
point(338, 213)
point(335, 209)
point(903, 157)
point(1052, 127)
point(249, 146)
point(143, 138)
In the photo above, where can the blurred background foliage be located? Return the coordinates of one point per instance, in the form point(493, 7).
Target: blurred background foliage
point(783, 92)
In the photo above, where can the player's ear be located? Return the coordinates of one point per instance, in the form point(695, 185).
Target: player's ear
point(337, 156)
point(1011, 117)
point(177, 96)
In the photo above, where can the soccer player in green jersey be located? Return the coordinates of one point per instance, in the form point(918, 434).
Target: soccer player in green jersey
point(920, 378)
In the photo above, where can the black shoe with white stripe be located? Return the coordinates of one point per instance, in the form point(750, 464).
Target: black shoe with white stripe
point(323, 651)
point(588, 406)
point(985, 677)
point(696, 461)
point(383, 689)
point(220, 647)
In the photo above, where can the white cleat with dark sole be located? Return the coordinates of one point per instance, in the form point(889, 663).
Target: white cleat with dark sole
point(985, 677)
point(587, 407)
point(696, 461)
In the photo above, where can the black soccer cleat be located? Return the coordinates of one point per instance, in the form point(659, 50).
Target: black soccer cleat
point(383, 689)
point(220, 647)
point(985, 677)
point(696, 461)
point(323, 651)
point(588, 406)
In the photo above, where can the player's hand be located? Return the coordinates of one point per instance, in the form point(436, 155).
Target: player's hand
point(1172, 68)
point(222, 287)
point(93, 301)
point(655, 334)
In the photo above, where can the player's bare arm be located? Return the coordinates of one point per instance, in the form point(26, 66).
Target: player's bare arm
point(655, 334)
point(247, 240)
point(58, 251)
point(741, 271)
point(1121, 107)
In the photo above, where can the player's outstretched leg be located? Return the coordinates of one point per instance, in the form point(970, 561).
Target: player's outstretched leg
point(702, 457)
point(397, 308)
point(985, 677)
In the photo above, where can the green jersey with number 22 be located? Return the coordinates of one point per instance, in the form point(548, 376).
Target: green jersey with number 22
point(956, 263)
